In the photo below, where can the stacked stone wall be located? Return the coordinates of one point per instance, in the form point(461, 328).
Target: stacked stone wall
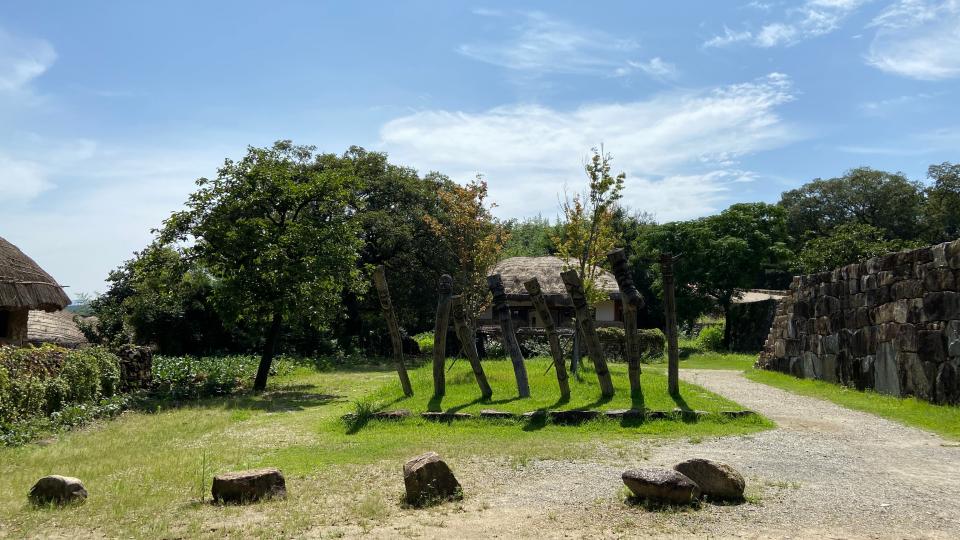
point(136, 367)
point(891, 324)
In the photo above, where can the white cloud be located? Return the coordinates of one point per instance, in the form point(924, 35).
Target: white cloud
point(21, 180)
point(682, 145)
point(811, 19)
point(657, 68)
point(22, 60)
point(878, 107)
point(542, 44)
point(918, 39)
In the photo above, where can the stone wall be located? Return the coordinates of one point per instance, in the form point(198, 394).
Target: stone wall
point(891, 324)
point(748, 324)
point(136, 367)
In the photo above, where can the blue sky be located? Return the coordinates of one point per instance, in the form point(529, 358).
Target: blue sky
point(110, 110)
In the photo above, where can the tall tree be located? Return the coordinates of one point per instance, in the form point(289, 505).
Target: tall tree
point(943, 202)
point(846, 244)
point(530, 237)
point(277, 229)
point(867, 196)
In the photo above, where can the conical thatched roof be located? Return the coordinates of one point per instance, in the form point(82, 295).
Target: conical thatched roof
point(516, 270)
point(58, 327)
point(24, 285)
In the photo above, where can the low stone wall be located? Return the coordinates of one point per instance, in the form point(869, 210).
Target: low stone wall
point(136, 367)
point(891, 323)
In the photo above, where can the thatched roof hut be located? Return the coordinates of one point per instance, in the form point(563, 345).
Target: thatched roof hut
point(57, 327)
point(516, 270)
point(24, 286)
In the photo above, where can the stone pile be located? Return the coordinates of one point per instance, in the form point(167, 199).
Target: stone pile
point(891, 323)
point(136, 367)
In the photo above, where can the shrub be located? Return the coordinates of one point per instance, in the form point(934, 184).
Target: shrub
point(192, 377)
point(425, 342)
point(711, 338)
point(43, 381)
point(652, 342)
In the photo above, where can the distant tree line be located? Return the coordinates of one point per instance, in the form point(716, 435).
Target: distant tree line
point(275, 253)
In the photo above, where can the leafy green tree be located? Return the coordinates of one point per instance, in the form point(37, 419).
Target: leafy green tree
point(723, 253)
point(887, 201)
point(278, 231)
point(846, 244)
point(943, 202)
point(530, 237)
point(587, 232)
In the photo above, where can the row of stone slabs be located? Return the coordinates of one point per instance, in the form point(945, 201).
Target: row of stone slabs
point(573, 416)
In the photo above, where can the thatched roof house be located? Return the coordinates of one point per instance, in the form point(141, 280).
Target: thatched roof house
point(515, 270)
point(57, 327)
point(24, 286)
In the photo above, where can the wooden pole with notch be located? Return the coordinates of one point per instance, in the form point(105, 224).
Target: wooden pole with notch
point(386, 304)
point(543, 313)
point(440, 335)
point(574, 286)
point(631, 301)
point(502, 311)
point(466, 336)
point(670, 313)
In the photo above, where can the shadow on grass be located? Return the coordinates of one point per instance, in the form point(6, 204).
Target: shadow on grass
point(296, 397)
point(651, 505)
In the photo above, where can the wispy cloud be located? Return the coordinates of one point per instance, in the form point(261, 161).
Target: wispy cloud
point(880, 106)
point(918, 39)
point(22, 60)
point(811, 19)
point(656, 68)
point(679, 148)
point(542, 44)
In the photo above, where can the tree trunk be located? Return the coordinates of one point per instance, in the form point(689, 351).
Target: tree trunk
point(440, 336)
point(466, 336)
point(631, 300)
point(380, 281)
point(269, 348)
point(502, 311)
point(670, 313)
point(543, 312)
point(571, 280)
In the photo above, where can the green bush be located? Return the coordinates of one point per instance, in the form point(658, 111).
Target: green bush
point(41, 381)
point(711, 338)
point(652, 342)
point(192, 377)
point(425, 341)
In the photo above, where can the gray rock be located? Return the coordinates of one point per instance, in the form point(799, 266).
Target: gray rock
point(716, 480)
point(428, 480)
point(661, 485)
point(491, 413)
point(886, 374)
point(248, 486)
point(58, 489)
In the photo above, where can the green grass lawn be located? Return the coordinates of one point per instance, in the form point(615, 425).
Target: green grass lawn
point(463, 394)
point(148, 473)
point(941, 419)
point(716, 360)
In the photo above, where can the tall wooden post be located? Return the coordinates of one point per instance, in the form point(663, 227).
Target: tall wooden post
point(632, 301)
point(380, 281)
point(440, 335)
point(670, 313)
point(571, 280)
point(466, 336)
point(543, 313)
point(502, 312)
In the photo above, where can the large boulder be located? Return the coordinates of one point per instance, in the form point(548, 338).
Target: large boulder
point(58, 489)
point(428, 480)
point(248, 486)
point(661, 485)
point(716, 480)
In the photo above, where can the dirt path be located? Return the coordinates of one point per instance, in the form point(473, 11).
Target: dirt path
point(825, 472)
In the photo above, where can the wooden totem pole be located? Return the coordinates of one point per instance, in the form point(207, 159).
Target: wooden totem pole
point(440, 335)
point(670, 313)
point(543, 312)
point(380, 282)
point(571, 280)
point(632, 301)
point(502, 311)
point(467, 339)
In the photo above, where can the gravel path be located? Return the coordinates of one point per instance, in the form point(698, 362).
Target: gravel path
point(825, 472)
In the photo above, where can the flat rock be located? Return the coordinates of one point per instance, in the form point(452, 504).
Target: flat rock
point(428, 480)
point(491, 413)
point(248, 486)
point(446, 416)
point(392, 415)
point(575, 416)
point(737, 414)
point(661, 485)
point(629, 414)
point(687, 414)
point(530, 415)
point(659, 415)
point(716, 480)
point(58, 489)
